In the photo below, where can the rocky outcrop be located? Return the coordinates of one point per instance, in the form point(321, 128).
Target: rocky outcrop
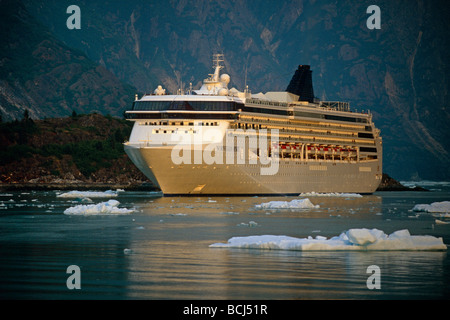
point(390, 184)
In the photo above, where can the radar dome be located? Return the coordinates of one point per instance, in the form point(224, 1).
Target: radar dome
point(159, 91)
point(225, 78)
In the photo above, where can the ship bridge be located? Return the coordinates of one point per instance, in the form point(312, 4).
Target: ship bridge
point(185, 106)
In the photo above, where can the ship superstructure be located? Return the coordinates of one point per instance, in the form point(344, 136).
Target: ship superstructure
point(217, 140)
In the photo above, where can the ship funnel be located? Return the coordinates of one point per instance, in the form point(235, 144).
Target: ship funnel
point(301, 84)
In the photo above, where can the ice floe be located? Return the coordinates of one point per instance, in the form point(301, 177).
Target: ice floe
point(331, 194)
point(435, 207)
point(294, 204)
point(104, 208)
point(352, 240)
point(426, 183)
point(88, 194)
point(250, 224)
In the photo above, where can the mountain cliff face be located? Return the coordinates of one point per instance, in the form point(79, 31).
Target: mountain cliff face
point(400, 72)
point(41, 74)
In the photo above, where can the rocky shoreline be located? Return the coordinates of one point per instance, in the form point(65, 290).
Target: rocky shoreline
point(387, 184)
point(76, 186)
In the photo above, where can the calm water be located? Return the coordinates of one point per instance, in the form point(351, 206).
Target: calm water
point(161, 250)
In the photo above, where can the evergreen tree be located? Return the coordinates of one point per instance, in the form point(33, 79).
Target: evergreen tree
point(26, 115)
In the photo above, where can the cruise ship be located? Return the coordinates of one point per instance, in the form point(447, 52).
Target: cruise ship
point(221, 141)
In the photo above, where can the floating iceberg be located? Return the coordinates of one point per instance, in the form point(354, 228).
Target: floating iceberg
point(104, 208)
point(251, 224)
point(352, 240)
point(331, 194)
point(435, 207)
point(425, 183)
point(88, 194)
point(294, 204)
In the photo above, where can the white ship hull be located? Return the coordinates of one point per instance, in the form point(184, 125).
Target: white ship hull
point(293, 176)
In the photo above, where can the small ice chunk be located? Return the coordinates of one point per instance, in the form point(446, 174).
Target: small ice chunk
point(252, 224)
point(88, 194)
point(294, 204)
point(331, 194)
point(364, 236)
point(400, 234)
point(435, 207)
point(103, 208)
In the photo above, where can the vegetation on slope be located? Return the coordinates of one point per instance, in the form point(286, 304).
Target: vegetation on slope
point(80, 148)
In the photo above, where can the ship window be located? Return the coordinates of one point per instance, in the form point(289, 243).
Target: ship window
point(199, 116)
point(329, 117)
point(367, 149)
point(365, 135)
point(264, 110)
point(184, 105)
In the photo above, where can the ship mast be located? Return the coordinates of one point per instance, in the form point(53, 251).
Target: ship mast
point(217, 59)
point(215, 84)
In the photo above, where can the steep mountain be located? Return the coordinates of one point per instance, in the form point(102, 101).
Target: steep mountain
point(41, 74)
point(400, 72)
